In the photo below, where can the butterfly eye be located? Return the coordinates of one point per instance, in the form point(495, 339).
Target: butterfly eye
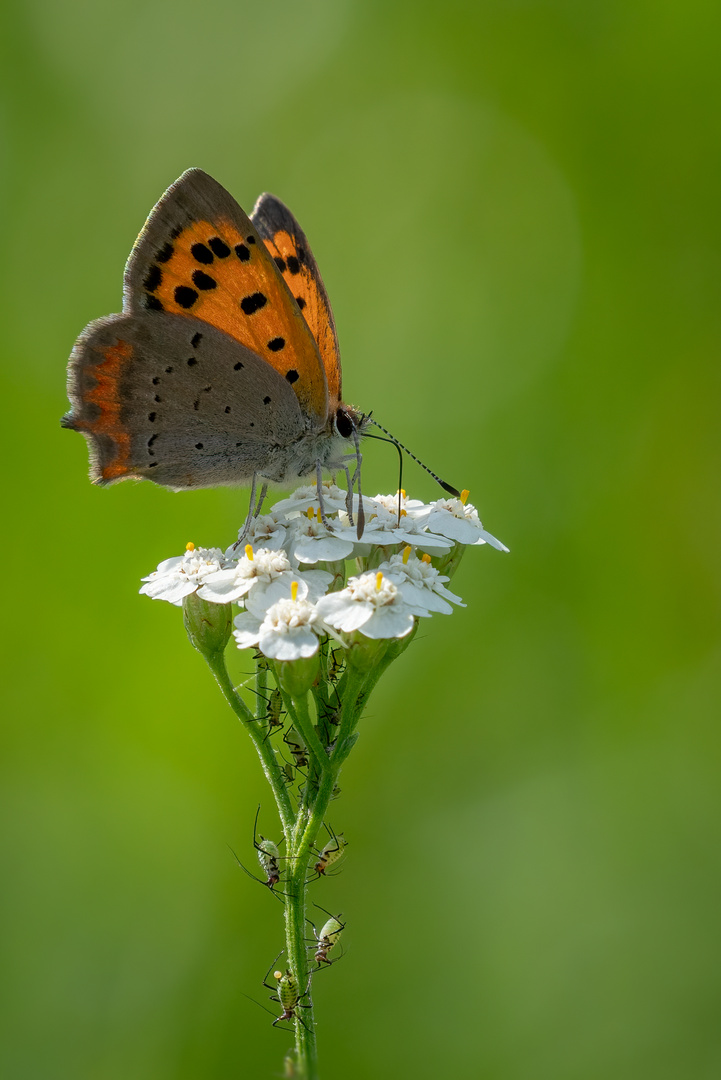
point(344, 422)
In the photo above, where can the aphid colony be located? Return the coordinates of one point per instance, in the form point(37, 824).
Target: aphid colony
point(286, 990)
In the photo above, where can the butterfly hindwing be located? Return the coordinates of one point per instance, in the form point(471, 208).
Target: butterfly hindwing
point(172, 399)
point(199, 256)
point(288, 244)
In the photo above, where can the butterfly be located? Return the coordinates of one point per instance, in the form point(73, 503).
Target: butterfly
point(223, 367)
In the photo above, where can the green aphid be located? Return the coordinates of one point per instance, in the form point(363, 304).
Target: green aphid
point(297, 747)
point(274, 712)
point(287, 995)
point(330, 853)
point(268, 857)
point(328, 937)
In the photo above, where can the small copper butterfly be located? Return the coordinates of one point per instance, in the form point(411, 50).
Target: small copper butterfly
point(224, 363)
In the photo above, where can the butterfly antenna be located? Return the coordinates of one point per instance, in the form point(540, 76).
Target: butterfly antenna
point(446, 487)
point(382, 438)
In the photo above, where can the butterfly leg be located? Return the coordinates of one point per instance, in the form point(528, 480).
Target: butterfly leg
point(349, 496)
point(357, 477)
point(249, 520)
point(319, 488)
point(261, 500)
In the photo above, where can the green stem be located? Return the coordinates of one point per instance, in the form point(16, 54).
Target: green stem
point(310, 735)
point(309, 823)
point(266, 753)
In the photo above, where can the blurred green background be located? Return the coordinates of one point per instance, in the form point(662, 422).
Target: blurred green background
point(515, 206)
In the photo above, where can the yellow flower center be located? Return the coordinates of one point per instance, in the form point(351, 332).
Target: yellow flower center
point(249, 552)
point(190, 546)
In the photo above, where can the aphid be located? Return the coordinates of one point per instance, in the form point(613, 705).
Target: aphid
point(330, 854)
point(274, 713)
point(288, 773)
point(336, 659)
point(329, 934)
point(297, 747)
point(268, 856)
point(287, 994)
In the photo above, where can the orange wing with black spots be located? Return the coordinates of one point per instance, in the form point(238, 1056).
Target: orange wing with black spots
point(287, 243)
point(199, 255)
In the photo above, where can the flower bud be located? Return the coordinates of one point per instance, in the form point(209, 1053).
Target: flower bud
point(208, 625)
point(364, 653)
point(297, 676)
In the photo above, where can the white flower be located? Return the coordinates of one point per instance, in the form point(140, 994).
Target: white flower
point(458, 520)
point(232, 581)
point(420, 584)
point(370, 603)
point(306, 497)
point(309, 541)
point(390, 503)
point(288, 629)
point(265, 531)
point(383, 529)
point(182, 575)
point(307, 587)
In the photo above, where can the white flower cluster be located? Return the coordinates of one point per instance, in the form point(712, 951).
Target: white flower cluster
point(277, 579)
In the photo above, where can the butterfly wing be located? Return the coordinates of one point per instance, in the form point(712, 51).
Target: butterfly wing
point(172, 399)
point(288, 244)
point(200, 257)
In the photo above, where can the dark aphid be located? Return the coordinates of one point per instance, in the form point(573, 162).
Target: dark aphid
point(336, 659)
point(274, 713)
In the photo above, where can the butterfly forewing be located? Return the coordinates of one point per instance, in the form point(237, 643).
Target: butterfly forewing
point(200, 257)
point(287, 243)
point(174, 400)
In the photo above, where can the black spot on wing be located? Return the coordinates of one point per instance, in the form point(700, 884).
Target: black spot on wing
point(202, 254)
point(254, 302)
point(196, 340)
point(242, 252)
point(276, 344)
point(204, 281)
point(165, 253)
point(292, 375)
point(153, 278)
point(185, 296)
point(219, 247)
point(153, 304)
point(293, 264)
